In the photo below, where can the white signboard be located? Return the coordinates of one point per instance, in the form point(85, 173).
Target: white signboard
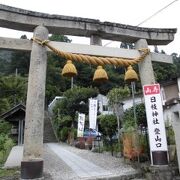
point(92, 113)
point(154, 113)
point(81, 121)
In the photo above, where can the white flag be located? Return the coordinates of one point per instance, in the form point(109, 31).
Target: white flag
point(92, 113)
point(81, 121)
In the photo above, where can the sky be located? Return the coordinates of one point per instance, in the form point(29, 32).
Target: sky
point(130, 12)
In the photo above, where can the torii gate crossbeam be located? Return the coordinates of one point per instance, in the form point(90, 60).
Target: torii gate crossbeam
point(24, 20)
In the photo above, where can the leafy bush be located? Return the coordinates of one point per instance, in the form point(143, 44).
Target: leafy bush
point(6, 143)
point(108, 125)
point(63, 135)
point(128, 119)
point(109, 129)
point(5, 127)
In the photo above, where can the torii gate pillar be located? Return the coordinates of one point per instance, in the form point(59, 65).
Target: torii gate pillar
point(147, 77)
point(145, 67)
point(32, 164)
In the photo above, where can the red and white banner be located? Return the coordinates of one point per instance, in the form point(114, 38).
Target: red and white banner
point(154, 113)
point(81, 121)
point(92, 113)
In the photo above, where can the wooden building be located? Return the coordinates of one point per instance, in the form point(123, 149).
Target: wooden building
point(16, 117)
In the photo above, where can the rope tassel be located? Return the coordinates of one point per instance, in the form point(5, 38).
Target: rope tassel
point(69, 70)
point(131, 75)
point(100, 75)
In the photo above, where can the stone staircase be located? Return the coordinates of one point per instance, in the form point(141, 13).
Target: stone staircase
point(49, 135)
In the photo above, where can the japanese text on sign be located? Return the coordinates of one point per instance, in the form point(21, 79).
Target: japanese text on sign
point(81, 121)
point(154, 112)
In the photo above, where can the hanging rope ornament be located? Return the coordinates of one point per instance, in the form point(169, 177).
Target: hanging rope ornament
point(69, 70)
point(100, 75)
point(93, 59)
point(130, 75)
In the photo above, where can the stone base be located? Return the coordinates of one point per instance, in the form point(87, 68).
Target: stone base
point(32, 169)
point(160, 173)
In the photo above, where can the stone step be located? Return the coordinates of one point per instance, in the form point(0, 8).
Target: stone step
point(49, 135)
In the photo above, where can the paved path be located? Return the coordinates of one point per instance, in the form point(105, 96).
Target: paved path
point(82, 167)
point(64, 162)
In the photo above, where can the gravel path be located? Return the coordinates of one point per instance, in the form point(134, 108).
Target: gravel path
point(57, 169)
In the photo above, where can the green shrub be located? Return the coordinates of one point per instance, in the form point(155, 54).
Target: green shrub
point(75, 133)
point(6, 144)
point(5, 127)
point(64, 134)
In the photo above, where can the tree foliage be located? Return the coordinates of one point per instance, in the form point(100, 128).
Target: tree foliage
point(12, 91)
point(6, 142)
point(116, 95)
point(164, 72)
point(108, 125)
point(75, 100)
point(19, 62)
point(5, 127)
point(65, 112)
point(128, 118)
point(115, 100)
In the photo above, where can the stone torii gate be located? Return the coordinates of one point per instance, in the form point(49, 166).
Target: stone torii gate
point(42, 24)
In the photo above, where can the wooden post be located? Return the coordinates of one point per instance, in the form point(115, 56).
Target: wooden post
point(32, 164)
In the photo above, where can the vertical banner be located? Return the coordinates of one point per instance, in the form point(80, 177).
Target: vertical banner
point(92, 113)
point(81, 121)
point(156, 127)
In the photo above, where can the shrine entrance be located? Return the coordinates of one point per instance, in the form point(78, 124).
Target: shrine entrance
point(42, 24)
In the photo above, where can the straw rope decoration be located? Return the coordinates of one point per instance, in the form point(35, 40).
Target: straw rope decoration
point(93, 59)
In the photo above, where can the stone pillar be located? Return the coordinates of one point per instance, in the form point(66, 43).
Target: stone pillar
point(32, 164)
point(159, 157)
point(176, 127)
point(95, 40)
point(145, 67)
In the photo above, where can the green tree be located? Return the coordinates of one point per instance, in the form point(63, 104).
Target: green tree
point(75, 100)
point(115, 100)
point(164, 72)
point(108, 127)
point(56, 84)
point(12, 90)
point(176, 60)
point(20, 61)
point(128, 118)
point(6, 142)
point(4, 105)
point(5, 127)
